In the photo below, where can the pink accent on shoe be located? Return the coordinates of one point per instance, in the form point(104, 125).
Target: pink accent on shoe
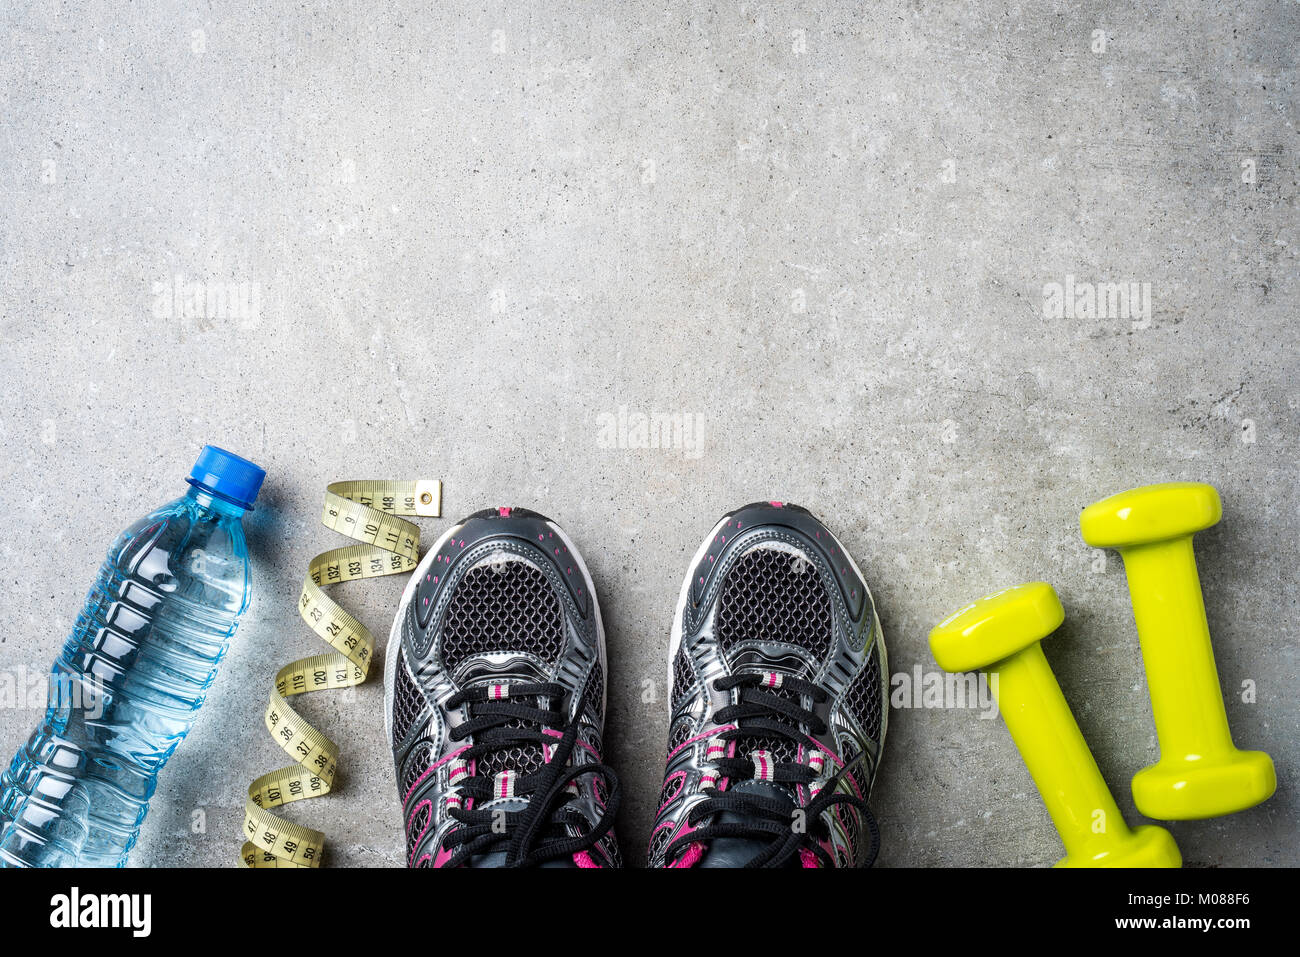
point(691, 856)
point(429, 771)
point(583, 859)
point(665, 825)
point(582, 744)
point(707, 734)
point(443, 856)
point(503, 512)
point(844, 824)
point(677, 776)
point(807, 858)
point(691, 853)
point(424, 830)
point(851, 778)
point(504, 785)
point(777, 504)
point(830, 849)
point(731, 753)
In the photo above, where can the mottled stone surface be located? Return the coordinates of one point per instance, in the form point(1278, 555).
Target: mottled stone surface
point(468, 235)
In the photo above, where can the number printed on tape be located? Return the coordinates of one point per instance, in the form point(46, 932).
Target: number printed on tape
point(368, 512)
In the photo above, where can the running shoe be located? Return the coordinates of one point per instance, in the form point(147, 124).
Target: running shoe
point(778, 701)
point(494, 686)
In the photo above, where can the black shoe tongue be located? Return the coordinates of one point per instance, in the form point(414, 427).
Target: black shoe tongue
point(498, 859)
point(739, 851)
point(522, 758)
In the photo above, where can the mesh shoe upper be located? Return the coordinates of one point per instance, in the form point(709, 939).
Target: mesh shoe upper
point(778, 701)
point(495, 681)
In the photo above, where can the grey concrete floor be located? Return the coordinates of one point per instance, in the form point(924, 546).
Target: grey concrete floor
point(830, 233)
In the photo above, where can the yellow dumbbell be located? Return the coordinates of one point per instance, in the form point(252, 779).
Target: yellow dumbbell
point(1000, 634)
point(1200, 772)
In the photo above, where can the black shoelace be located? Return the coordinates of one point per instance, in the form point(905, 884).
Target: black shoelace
point(544, 829)
point(766, 819)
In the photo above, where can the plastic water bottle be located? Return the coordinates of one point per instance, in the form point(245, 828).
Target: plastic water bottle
point(133, 673)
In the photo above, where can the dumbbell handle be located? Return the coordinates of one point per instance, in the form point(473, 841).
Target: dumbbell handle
point(1053, 748)
point(1182, 680)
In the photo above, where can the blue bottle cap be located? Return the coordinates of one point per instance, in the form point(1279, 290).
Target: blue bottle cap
point(228, 475)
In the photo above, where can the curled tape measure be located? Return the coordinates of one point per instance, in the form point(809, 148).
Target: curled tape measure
point(367, 512)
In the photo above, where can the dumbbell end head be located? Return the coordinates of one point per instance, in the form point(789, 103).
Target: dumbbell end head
point(996, 626)
point(1144, 846)
point(1182, 790)
point(1152, 513)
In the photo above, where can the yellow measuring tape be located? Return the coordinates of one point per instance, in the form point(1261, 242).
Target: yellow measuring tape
point(365, 511)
